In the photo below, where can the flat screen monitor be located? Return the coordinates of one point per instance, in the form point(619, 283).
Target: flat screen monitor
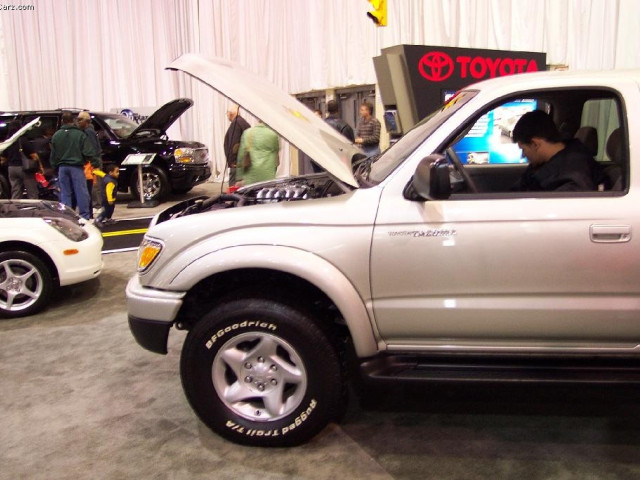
point(392, 122)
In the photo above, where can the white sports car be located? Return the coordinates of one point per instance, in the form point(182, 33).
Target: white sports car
point(43, 245)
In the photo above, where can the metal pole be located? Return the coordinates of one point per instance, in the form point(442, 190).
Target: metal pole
point(140, 186)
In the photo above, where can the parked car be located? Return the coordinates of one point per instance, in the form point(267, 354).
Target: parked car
point(43, 245)
point(177, 166)
point(409, 266)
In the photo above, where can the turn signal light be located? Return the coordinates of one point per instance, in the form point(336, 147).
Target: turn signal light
point(147, 253)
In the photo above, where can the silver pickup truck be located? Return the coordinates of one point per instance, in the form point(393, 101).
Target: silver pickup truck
point(419, 264)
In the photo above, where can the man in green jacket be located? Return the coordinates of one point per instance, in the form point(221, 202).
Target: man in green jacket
point(70, 150)
point(262, 146)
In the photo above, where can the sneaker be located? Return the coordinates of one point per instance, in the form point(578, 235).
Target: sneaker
point(109, 221)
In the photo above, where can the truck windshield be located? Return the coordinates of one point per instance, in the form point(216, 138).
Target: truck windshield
point(120, 125)
point(399, 151)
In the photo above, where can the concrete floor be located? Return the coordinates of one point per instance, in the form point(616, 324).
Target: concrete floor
point(80, 399)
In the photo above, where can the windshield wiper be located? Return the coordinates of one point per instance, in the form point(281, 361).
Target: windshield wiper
point(362, 169)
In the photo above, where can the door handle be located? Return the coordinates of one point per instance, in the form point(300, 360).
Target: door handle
point(610, 233)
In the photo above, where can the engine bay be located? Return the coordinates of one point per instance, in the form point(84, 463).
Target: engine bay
point(283, 190)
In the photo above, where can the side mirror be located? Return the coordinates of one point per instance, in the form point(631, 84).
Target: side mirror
point(431, 180)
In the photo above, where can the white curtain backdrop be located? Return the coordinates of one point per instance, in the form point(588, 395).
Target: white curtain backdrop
point(101, 54)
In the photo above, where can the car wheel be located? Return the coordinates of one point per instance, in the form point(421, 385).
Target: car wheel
point(155, 184)
point(5, 188)
point(262, 373)
point(25, 284)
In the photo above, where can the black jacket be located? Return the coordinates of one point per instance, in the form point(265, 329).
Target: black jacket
point(341, 126)
point(232, 140)
point(572, 169)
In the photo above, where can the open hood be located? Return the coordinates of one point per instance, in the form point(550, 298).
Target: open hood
point(160, 120)
point(14, 138)
point(277, 109)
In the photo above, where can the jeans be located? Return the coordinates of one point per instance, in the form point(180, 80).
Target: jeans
point(20, 180)
point(73, 182)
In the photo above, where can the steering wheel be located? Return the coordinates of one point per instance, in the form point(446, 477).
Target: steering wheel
point(457, 164)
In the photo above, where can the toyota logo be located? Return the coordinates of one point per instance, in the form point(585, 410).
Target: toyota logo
point(128, 113)
point(436, 66)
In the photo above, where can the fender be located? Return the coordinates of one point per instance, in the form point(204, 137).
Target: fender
point(300, 263)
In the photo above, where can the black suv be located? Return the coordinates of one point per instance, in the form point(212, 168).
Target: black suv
point(176, 167)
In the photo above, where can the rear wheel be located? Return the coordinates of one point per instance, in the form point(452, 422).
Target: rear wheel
point(262, 373)
point(155, 184)
point(25, 284)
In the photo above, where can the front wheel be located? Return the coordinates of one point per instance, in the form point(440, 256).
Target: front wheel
point(262, 373)
point(155, 184)
point(25, 284)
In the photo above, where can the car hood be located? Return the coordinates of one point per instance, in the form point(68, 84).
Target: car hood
point(35, 208)
point(277, 109)
point(160, 120)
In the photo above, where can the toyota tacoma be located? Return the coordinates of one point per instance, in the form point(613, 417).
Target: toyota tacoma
point(419, 264)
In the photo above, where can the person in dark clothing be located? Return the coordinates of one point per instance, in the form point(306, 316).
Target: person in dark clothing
point(232, 141)
point(94, 181)
point(12, 156)
point(368, 130)
point(109, 190)
point(337, 122)
point(554, 165)
point(70, 149)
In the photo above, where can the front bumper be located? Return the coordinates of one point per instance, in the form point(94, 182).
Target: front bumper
point(84, 265)
point(150, 334)
point(151, 314)
point(183, 176)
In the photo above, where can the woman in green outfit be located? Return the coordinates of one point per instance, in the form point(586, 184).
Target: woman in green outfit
point(258, 155)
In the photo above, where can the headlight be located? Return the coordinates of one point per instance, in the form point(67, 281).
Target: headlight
point(66, 227)
point(147, 253)
point(184, 155)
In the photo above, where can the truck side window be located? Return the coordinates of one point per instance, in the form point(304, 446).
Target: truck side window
point(486, 150)
point(602, 116)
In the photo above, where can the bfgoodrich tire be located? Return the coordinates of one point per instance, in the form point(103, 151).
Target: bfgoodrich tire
point(25, 284)
point(262, 373)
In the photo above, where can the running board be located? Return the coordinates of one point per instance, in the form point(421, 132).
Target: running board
point(403, 368)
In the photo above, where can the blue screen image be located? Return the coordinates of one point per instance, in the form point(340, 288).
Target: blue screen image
point(489, 140)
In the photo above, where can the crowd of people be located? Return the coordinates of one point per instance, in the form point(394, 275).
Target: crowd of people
point(252, 153)
point(75, 155)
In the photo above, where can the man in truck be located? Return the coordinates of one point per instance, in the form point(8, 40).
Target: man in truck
point(554, 164)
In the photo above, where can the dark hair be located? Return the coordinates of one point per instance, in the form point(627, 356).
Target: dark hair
point(67, 117)
point(536, 124)
point(109, 167)
point(369, 107)
point(332, 106)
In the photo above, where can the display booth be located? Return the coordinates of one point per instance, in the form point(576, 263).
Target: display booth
point(415, 80)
